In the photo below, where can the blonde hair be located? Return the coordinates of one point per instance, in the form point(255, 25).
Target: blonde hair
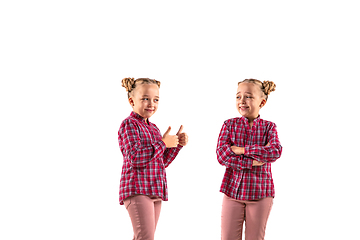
point(130, 83)
point(266, 86)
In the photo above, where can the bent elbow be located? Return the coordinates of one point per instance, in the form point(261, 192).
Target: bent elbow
point(277, 153)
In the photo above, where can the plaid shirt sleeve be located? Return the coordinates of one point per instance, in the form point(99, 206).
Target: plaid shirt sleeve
point(140, 155)
point(226, 156)
point(269, 153)
point(170, 154)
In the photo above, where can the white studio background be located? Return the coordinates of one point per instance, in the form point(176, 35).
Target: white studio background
point(62, 102)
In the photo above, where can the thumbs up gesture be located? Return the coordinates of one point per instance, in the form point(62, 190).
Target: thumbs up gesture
point(183, 137)
point(170, 140)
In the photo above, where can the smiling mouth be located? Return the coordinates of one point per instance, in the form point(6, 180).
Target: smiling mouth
point(243, 107)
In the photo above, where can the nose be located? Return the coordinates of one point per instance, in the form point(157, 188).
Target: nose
point(241, 99)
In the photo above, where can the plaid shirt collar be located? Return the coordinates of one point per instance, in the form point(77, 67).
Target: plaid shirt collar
point(139, 117)
point(256, 120)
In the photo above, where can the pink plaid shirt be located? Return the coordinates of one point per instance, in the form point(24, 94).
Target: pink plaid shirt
point(242, 181)
point(145, 159)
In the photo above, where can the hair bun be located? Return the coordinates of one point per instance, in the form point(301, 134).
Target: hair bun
point(128, 84)
point(269, 87)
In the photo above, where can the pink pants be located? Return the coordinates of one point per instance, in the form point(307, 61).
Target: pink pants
point(144, 212)
point(254, 213)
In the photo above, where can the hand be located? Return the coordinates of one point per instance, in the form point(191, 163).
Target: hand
point(170, 140)
point(183, 137)
point(238, 150)
point(257, 163)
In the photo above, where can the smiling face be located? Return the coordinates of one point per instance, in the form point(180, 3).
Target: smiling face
point(145, 99)
point(249, 100)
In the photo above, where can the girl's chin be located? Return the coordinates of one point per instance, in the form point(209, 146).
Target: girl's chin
point(148, 114)
point(243, 113)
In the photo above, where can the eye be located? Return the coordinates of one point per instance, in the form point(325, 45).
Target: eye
point(156, 100)
point(145, 99)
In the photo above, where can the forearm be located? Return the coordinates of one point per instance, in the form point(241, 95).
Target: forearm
point(228, 158)
point(267, 154)
point(238, 150)
point(241, 151)
point(140, 156)
point(170, 154)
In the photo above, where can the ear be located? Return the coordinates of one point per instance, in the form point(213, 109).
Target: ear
point(263, 102)
point(131, 101)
